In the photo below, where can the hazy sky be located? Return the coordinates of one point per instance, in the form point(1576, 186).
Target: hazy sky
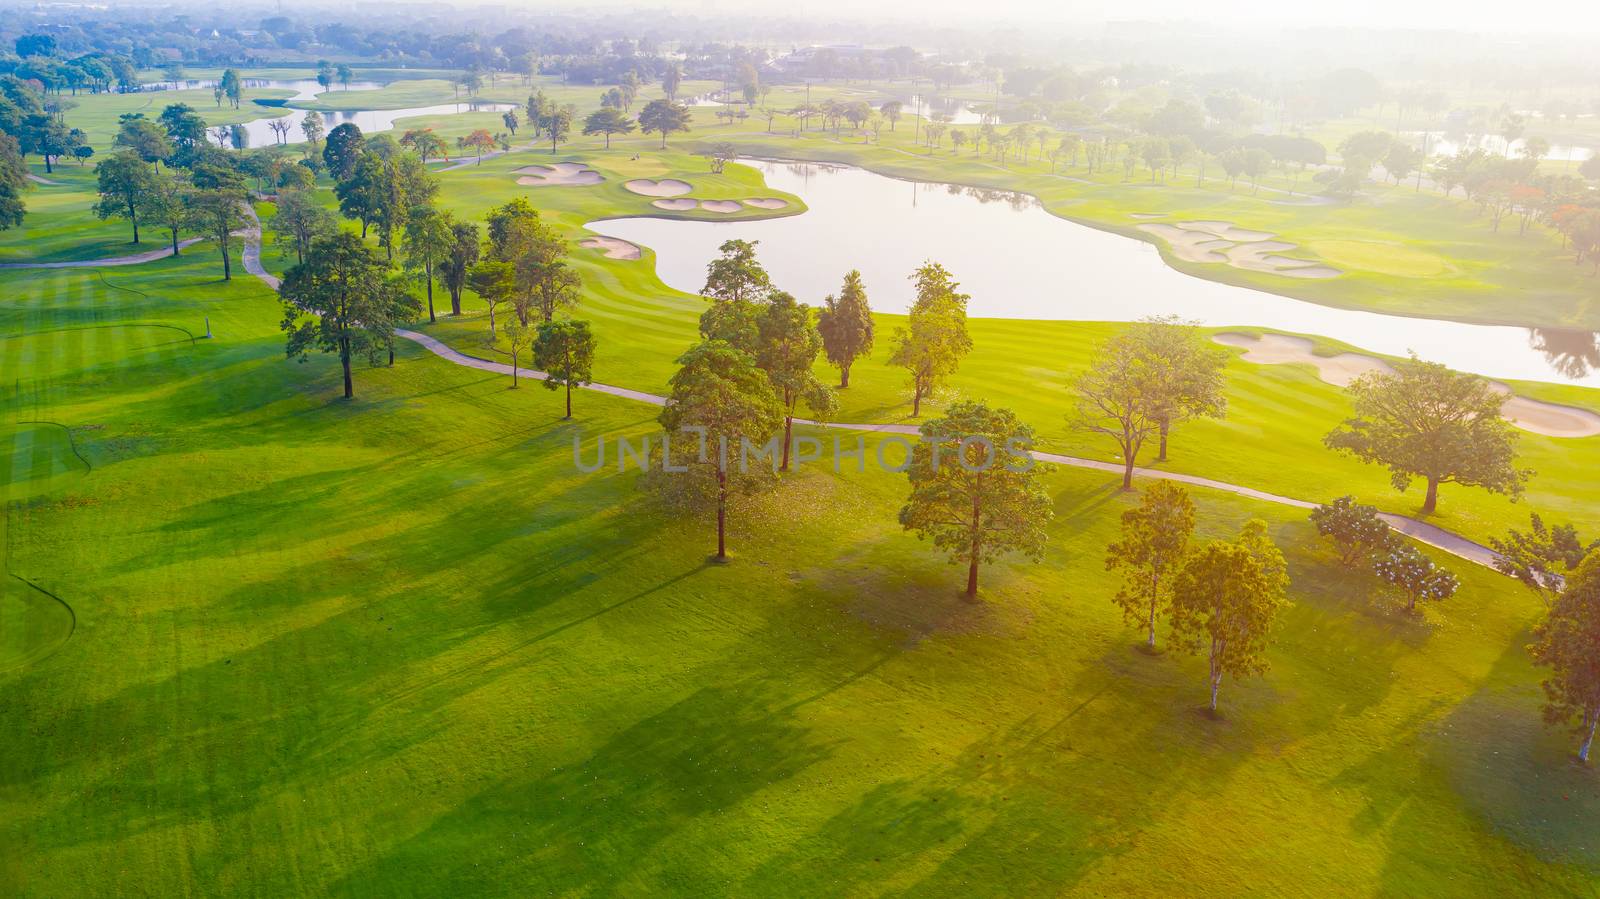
point(1548, 16)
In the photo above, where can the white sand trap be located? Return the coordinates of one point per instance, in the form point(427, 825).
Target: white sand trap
point(1536, 416)
point(611, 247)
point(767, 203)
point(722, 206)
point(675, 205)
point(667, 187)
point(560, 174)
point(1222, 243)
point(1148, 215)
point(1227, 230)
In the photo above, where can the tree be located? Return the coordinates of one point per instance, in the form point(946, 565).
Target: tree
point(518, 337)
point(1357, 530)
point(124, 181)
point(231, 87)
point(1224, 601)
point(1185, 372)
point(719, 400)
point(480, 141)
point(608, 121)
point(324, 73)
point(143, 137)
point(495, 282)
point(1118, 397)
point(300, 221)
point(935, 338)
point(311, 126)
point(340, 301)
point(892, 110)
point(670, 80)
point(345, 74)
point(13, 182)
point(456, 265)
point(557, 125)
point(1568, 643)
point(1155, 538)
point(429, 241)
point(1543, 558)
point(218, 211)
point(665, 117)
point(788, 346)
point(344, 150)
point(361, 192)
point(846, 326)
point(425, 143)
point(1424, 420)
point(564, 351)
point(975, 491)
point(1413, 574)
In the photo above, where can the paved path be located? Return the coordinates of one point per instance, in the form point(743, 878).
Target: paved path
point(465, 163)
point(40, 179)
point(132, 259)
point(1418, 530)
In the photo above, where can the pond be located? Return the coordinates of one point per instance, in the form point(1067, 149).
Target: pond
point(1438, 143)
point(260, 134)
point(1019, 261)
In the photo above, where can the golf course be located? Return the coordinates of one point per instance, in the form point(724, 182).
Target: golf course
point(274, 626)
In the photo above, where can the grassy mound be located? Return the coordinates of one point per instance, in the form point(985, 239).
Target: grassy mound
point(1381, 258)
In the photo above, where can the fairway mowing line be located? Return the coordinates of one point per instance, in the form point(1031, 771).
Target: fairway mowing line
point(1434, 536)
point(131, 259)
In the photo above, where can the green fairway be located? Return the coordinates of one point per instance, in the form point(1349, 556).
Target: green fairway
point(258, 640)
point(413, 651)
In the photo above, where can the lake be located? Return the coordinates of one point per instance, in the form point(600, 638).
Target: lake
point(1019, 261)
point(368, 120)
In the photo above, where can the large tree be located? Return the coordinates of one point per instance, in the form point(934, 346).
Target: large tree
point(1114, 398)
point(935, 338)
point(362, 192)
point(845, 322)
point(344, 149)
point(167, 204)
point(788, 344)
point(300, 221)
point(125, 181)
point(429, 241)
point(737, 285)
point(564, 351)
point(341, 301)
point(975, 492)
point(1224, 601)
point(665, 117)
point(608, 121)
point(463, 256)
point(1187, 379)
point(218, 211)
point(1568, 643)
point(719, 400)
point(1155, 538)
point(144, 137)
point(13, 181)
point(1423, 420)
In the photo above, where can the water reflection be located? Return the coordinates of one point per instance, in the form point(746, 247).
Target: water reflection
point(1575, 354)
point(1019, 261)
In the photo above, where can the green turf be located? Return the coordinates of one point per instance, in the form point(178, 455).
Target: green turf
point(408, 649)
point(400, 646)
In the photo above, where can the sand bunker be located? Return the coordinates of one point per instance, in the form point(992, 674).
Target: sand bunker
point(558, 175)
point(1537, 416)
point(667, 187)
point(1221, 243)
point(611, 246)
point(1148, 215)
point(767, 203)
point(722, 206)
point(675, 205)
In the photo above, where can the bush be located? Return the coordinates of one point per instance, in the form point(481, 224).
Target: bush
point(1356, 530)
